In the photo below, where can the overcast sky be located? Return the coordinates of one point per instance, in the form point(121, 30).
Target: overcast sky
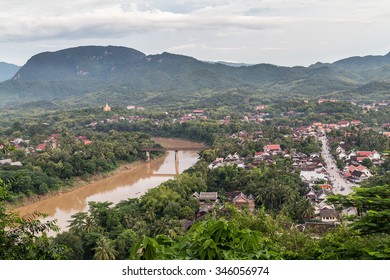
point(281, 32)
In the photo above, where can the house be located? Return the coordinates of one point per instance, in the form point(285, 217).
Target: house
point(312, 176)
point(205, 196)
point(5, 161)
point(216, 163)
point(207, 201)
point(239, 199)
point(365, 170)
point(343, 123)
point(242, 134)
point(341, 155)
point(347, 175)
point(54, 137)
point(387, 134)
point(40, 147)
point(340, 149)
point(273, 149)
point(355, 122)
point(261, 107)
point(350, 155)
point(328, 215)
point(363, 154)
point(317, 124)
point(199, 113)
point(322, 194)
point(16, 141)
point(311, 195)
point(234, 157)
point(259, 155)
point(84, 139)
point(357, 176)
point(9, 161)
point(373, 155)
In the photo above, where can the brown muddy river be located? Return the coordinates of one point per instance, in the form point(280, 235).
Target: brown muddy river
point(128, 184)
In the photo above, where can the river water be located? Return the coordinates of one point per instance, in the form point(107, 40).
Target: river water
point(131, 183)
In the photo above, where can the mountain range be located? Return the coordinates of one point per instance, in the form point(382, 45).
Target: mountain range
point(87, 75)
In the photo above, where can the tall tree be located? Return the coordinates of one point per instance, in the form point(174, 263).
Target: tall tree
point(104, 250)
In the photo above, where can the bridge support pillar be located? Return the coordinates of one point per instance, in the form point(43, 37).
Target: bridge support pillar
point(147, 156)
point(177, 161)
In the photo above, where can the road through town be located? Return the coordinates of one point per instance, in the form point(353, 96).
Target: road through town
point(340, 185)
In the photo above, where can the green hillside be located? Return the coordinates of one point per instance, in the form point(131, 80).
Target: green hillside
point(92, 74)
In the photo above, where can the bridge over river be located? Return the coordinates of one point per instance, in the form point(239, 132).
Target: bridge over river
point(176, 149)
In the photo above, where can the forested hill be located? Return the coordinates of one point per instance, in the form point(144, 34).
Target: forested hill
point(92, 74)
point(7, 71)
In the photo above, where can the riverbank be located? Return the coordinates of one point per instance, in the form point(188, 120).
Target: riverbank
point(73, 185)
point(130, 180)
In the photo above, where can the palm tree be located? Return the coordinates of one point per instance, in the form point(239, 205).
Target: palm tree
point(78, 221)
point(150, 215)
point(307, 209)
point(104, 250)
point(289, 195)
point(82, 222)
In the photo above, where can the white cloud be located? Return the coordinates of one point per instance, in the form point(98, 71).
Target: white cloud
point(280, 30)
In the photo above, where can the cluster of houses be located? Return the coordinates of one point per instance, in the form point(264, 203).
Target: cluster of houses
point(376, 106)
point(243, 135)
point(209, 200)
point(354, 171)
point(323, 212)
point(328, 127)
point(234, 159)
point(116, 119)
point(304, 162)
point(50, 143)
point(195, 114)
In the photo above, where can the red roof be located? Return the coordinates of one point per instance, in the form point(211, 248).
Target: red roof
point(361, 167)
point(363, 153)
point(258, 153)
point(347, 174)
point(40, 147)
point(360, 159)
point(81, 138)
point(273, 147)
point(87, 141)
point(351, 168)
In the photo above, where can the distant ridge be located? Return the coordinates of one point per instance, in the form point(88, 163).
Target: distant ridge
point(228, 63)
point(7, 70)
point(91, 74)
